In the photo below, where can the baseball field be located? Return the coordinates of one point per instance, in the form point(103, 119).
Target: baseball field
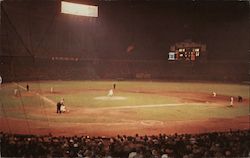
point(137, 107)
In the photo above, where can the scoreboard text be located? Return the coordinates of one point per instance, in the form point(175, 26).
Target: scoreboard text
point(187, 51)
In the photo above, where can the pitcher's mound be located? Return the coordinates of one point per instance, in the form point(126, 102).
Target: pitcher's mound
point(110, 98)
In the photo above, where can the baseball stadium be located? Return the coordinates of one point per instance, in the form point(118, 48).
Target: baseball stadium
point(124, 78)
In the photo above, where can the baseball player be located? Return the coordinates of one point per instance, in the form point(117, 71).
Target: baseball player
point(16, 92)
point(214, 94)
point(240, 99)
point(27, 87)
point(59, 105)
point(231, 101)
point(63, 108)
point(1, 81)
point(111, 93)
point(51, 90)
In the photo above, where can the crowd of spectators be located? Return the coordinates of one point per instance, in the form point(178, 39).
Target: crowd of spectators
point(213, 144)
point(45, 69)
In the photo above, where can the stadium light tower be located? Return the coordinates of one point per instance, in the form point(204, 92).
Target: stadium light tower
point(79, 9)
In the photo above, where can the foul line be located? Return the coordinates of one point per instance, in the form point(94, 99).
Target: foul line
point(43, 97)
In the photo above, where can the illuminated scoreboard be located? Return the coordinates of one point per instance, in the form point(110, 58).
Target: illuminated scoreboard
point(187, 51)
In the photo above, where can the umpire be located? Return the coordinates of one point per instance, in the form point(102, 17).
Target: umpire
point(58, 107)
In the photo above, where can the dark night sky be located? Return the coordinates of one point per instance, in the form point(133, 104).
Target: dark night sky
point(149, 26)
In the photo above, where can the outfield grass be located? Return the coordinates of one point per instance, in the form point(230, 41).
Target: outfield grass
point(81, 94)
point(220, 88)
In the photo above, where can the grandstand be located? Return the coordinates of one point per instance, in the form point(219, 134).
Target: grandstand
point(166, 59)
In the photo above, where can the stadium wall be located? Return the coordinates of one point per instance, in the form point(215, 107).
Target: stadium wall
point(27, 68)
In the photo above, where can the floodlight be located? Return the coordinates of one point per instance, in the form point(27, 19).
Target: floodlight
point(79, 9)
